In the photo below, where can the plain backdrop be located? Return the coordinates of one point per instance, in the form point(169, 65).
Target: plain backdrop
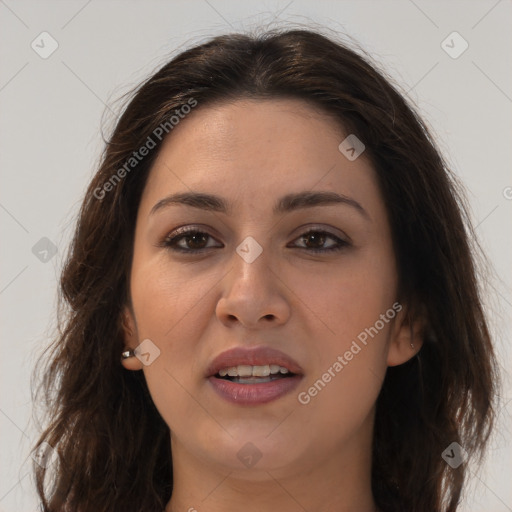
point(52, 110)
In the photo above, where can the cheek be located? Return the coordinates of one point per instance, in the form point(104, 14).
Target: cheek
point(331, 306)
point(354, 309)
point(173, 308)
point(168, 299)
point(346, 298)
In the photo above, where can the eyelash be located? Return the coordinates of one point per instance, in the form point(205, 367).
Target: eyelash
point(170, 241)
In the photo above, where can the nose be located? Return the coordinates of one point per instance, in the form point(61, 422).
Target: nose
point(253, 294)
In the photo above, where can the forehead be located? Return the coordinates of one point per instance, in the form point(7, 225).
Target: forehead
point(253, 151)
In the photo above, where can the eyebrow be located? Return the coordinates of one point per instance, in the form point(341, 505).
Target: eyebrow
point(286, 204)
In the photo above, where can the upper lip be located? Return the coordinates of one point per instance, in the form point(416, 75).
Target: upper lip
point(255, 356)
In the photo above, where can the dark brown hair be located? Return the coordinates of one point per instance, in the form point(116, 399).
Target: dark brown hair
point(113, 446)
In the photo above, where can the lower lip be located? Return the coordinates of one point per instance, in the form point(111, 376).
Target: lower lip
point(254, 394)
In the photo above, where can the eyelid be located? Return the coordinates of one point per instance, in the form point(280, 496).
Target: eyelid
point(182, 232)
point(169, 242)
point(335, 232)
point(301, 230)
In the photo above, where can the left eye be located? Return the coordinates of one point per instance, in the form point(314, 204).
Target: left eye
point(317, 237)
point(193, 241)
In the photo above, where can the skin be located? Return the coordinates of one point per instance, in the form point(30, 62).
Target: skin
point(311, 306)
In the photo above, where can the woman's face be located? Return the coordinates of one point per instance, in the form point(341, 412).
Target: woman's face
point(254, 280)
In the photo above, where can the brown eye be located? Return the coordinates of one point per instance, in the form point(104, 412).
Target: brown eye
point(188, 240)
point(314, 241)
point(192, 240)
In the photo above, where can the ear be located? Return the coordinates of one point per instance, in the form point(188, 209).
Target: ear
point(130, 339)
point(407, 337)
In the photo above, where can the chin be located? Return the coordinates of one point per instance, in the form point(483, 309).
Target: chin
point(253, 452)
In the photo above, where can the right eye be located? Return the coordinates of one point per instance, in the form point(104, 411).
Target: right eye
point(187, 240)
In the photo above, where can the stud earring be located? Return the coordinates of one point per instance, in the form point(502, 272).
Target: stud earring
point(127, 354)
point(412, 335)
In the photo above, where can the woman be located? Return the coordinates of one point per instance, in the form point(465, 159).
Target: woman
point(272, 298)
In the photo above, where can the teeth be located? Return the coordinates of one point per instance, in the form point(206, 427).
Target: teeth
point(244, 370)
point(261, 371)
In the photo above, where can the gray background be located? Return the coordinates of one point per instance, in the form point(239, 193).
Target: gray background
point(50, 132)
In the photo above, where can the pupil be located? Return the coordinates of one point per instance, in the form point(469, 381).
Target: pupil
point(195, 238)
point(318, 236)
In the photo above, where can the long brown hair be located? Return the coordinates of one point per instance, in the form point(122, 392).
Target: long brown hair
point(113, 447)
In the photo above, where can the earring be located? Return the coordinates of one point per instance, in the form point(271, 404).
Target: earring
point(127, 354)
point(412, 336)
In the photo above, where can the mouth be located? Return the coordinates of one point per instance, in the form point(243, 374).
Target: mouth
point(253, 376)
